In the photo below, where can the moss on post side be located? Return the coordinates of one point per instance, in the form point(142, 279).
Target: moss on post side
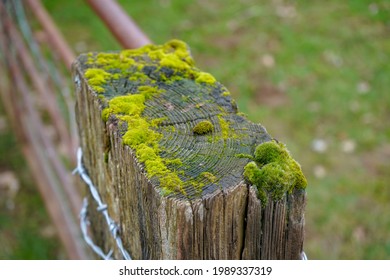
point(274, 171)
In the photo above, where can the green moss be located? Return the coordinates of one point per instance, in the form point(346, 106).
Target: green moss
point(274, 172)
point(174, 55)
point(173, 61)
point(251, 172)
point(197, 185)
point(181, 50)
point(209, 176)
point(244, 156)
point(175, 161)
point(271, 152)
point(157, 122)
point(142, 138)
point(139, 132)
point(97, 78)
point(140, 77)
point(171, 182)
point(207, 78)
point(126, 105)
point(203, 127)
point(115, 61)
point(143, 71)
point(226, 131)
point(149, 91)
point(224, 127)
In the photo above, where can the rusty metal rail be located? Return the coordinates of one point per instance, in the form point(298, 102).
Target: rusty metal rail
point(128, 34)
point(24, 92)
point(55, 38)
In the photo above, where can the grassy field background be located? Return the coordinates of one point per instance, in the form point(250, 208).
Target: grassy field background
point(316, 74)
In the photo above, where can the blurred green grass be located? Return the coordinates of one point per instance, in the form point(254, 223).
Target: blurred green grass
point(26, 231)
point(310, 72)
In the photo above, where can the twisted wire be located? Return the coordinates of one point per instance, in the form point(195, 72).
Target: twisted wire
point(102, 208)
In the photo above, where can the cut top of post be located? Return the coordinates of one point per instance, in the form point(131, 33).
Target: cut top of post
point(182, 125)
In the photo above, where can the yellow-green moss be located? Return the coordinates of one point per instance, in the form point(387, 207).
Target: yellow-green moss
point(97, 78)
point(175, 161)
point(143, 69)
point(139, 132)
point(206, 78)
point(244, 156)
point(142, 138)
point(144, 152)
point(271, 152)
point(274, 172)
point(224, 127)
point(172, 60)
point(173, 129)
point(181, 50)
point(157, 122)
point(149, 91)
point(209, 176)
point(197, 185)
point(170, 182)
point(127, 105)
point(174, 54)
point(203, 127)
point(115, 61)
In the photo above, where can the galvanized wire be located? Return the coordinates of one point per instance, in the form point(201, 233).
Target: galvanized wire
point(84, 223)
point(22, 93)
point(49, 71)
point(113, 227)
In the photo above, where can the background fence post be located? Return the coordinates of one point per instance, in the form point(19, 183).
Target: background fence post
point(202, 141)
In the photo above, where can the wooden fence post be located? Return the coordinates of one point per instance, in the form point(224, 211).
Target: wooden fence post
point(182, 172)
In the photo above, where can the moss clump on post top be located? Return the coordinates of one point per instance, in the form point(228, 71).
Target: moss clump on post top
point(274, 172)
point(203, 127)
point(209, 176)
point(206, 78)
point(97, 78)
point(141, 137)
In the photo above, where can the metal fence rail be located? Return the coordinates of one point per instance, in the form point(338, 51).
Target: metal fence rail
point(128, 34)
point(30, 97)
point(36, 93)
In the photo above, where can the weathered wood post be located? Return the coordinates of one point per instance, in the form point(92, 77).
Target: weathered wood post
point(184, 174)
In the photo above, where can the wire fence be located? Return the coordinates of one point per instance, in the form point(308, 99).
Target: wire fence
point(102, 208)
point(37, 96)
